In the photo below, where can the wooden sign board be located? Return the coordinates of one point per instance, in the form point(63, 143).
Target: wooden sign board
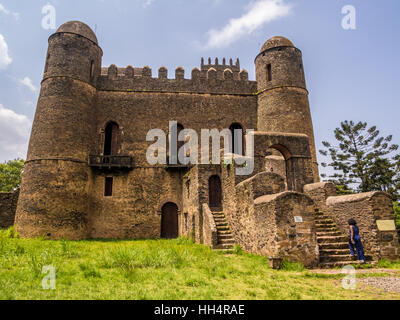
point(386, 225)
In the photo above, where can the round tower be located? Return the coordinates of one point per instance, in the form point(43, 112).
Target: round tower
point(54, 194)
point(283, 104)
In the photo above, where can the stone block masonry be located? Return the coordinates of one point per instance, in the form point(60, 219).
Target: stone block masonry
point(8, 207)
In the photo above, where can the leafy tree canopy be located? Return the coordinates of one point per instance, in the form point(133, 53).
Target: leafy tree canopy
point(10, 175)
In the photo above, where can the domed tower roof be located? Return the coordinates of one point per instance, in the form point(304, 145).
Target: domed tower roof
point(79, 28)
point(277, 42)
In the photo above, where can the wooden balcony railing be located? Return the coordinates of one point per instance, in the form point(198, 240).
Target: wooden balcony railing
point(111, 162)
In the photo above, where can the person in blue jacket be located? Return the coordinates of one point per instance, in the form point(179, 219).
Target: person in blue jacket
point(355, 241)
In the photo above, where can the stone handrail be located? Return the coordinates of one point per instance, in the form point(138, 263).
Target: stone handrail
point(210, 234)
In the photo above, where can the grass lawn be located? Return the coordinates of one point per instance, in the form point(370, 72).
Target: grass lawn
point(157, 270)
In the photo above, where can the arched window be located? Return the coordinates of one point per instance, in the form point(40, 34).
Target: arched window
point(237, 138)
point(111, 139)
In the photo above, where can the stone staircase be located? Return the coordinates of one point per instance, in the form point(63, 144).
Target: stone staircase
point(225, 238)
point(333, 244)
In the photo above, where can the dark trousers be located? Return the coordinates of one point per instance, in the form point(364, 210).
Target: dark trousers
point(359, 249)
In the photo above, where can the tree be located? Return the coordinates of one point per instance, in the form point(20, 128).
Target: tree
point(10, 175)
point(396, 207)
point(361, 159)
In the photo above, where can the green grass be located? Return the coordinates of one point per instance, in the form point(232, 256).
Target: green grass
point(155, 269)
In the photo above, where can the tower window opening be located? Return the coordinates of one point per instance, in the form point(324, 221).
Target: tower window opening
point(108, 188)
point(92, 69)
point(269, 72)
point(111, 139)
point(237, 139)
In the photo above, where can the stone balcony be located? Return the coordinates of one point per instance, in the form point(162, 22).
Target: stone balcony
point(111, 162)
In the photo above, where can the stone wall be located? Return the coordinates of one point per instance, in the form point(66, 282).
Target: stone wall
point(320, 192)
point(261, 217)
point(210, 235)
point(368, 209)
point(8, 207)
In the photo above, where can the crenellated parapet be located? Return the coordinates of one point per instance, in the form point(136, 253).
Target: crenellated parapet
point(211, 78)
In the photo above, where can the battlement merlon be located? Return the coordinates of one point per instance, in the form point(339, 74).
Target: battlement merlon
point(225, 79)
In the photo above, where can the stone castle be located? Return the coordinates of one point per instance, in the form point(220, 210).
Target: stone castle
point(87, 177)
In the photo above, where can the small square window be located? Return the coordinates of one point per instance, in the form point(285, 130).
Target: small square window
point(108, 188)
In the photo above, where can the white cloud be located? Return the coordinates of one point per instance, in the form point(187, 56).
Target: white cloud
point(258, 14)
point(147, 3)
point(8, 12)
point(14, 134)
point(28, 83)
point(5, 59)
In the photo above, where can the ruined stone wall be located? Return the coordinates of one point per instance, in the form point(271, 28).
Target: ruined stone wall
point(288, 239)
point(367, 209)
point(320, 192)
point(8, 207)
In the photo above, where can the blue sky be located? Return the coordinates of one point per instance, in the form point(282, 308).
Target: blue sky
point(351, 74)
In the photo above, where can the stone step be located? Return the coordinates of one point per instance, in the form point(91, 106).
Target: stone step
point(335, 258)
point(330, 265)
point(223, 228)
point(329, 233)
point(224, 232)
point(327, 230)
point(333, 245)
point(221, 224)
point(328, 252)
point(219, 219)
point(226, 241)
point(224, 246)
point(226, 236)
point(324, 221)
point(331, 239)
point(325, 225)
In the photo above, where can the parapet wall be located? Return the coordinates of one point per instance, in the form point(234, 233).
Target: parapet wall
point(212, 80)
point(8, 207)
point(374, 214)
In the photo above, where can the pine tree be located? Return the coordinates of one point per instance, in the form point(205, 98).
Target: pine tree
point(361, 159)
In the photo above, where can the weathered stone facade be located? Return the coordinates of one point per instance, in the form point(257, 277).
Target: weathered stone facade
point(8, 207)
point(87, 174)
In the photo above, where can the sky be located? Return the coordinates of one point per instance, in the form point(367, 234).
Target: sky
point(352, 74)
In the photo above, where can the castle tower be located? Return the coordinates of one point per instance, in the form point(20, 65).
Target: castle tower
point(54, 192)
point(283, 104)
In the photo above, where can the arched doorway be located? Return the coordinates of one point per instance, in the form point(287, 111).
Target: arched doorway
point(111, 139)
point(237, 138)
point(169, 221)
point(215, 192)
